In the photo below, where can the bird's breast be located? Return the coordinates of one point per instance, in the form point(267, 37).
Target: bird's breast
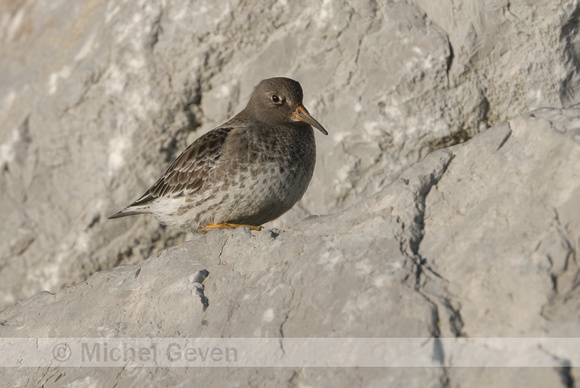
point(267, 174)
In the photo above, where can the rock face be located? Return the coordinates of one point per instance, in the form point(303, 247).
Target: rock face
point(476, 240)
point(97, 98)
point(419, 236)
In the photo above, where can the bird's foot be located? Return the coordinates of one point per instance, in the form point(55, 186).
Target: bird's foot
point(207, 228)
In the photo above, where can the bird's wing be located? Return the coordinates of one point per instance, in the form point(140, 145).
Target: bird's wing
point(188, 172)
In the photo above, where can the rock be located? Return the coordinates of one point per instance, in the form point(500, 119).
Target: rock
point(445, 210)
point(97, 98)
point(475, 240)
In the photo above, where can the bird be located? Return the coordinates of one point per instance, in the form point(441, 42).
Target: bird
point(246, 172)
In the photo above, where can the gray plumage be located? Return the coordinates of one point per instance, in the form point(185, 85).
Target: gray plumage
point(250, 170)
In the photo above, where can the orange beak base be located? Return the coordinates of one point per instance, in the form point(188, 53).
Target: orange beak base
point(301, 114)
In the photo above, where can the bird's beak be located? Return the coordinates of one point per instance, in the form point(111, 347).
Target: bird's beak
point(301, 114)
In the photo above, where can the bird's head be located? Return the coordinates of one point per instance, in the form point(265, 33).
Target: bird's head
point(279, 101)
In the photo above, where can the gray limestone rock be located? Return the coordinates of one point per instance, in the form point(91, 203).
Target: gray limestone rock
point(446, 211)
point(475, 240)
point(97, 98)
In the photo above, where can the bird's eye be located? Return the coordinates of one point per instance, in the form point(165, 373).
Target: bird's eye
point(275, 99)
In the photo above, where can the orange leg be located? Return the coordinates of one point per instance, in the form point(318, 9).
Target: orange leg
point(207, 228)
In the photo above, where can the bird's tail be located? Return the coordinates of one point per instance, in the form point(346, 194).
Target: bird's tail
point(131, 210)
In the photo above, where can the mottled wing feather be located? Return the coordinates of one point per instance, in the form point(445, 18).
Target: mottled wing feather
point(189, 171)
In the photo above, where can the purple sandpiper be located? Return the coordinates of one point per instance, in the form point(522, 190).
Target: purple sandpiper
point(246, 172)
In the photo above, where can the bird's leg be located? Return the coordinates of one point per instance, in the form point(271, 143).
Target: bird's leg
point(207, 228)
